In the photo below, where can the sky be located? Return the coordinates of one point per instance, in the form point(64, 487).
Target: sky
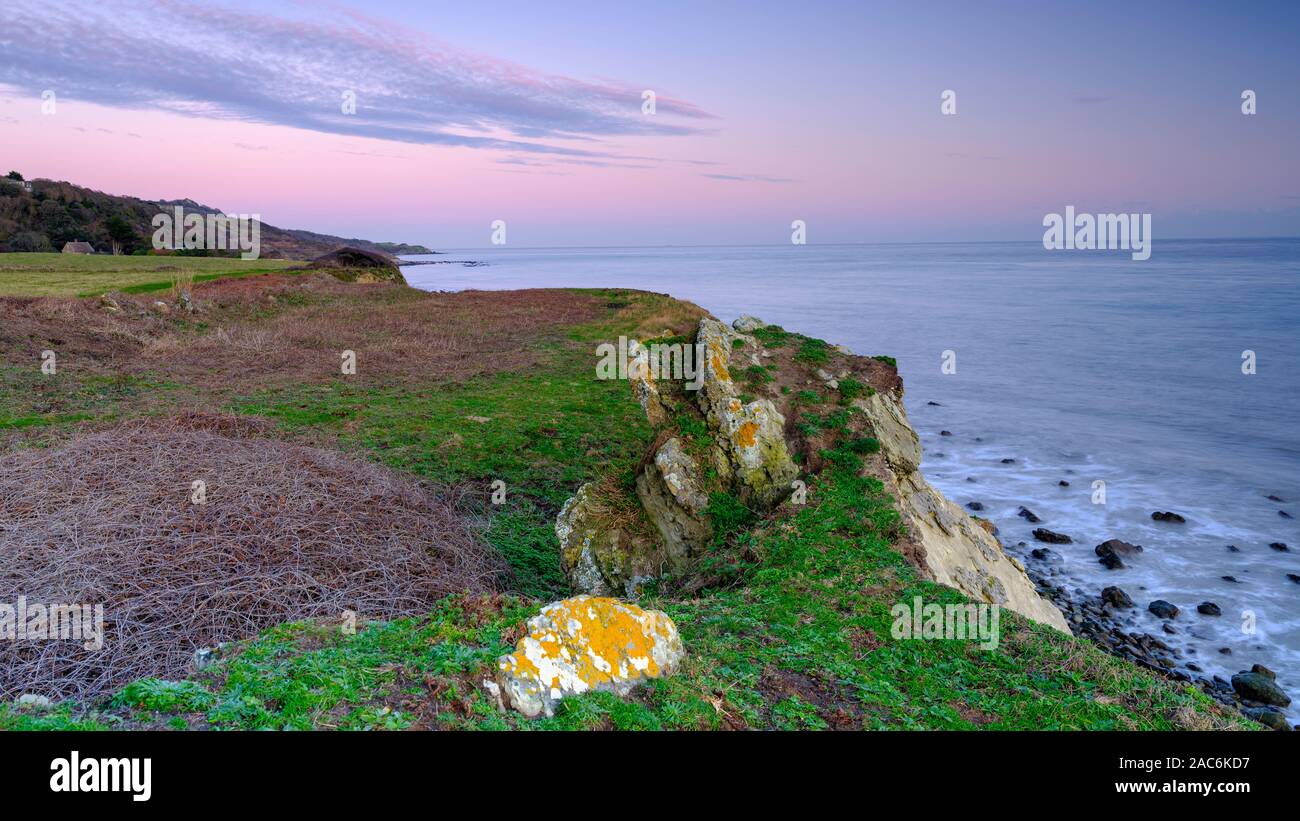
point(765, 113)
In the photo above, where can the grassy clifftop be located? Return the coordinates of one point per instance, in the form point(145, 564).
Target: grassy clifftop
point(459, 391)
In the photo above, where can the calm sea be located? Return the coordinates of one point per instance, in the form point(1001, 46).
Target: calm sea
point(1083, 366)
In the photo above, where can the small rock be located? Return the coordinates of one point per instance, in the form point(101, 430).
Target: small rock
point(1167, 516)
point(935, 404)
point(1028, 515)
point(1062, 483)
point(1208, 608)
point(1116, 597)
point(482, 420)
point(1263, 671)
point(1284, 514)
point(975, 506)
point(1273, 497)
point(1042, 534)
point(1170, 629)
point(32, 701)
point(1225, 651)
point(1295, 577)
point(1232, 579)
point(1270, 717)
point(1279, 546)
point(1232, 548)
point(1008, 461)
point(945, 433)
point(1162, 609)
point(1112, 550)
point(1261, 688)
point(748, 324)
point(1044, 555)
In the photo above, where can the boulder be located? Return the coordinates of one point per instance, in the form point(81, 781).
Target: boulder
point(1162, 609)
point(596, 554)
point(585, 644)
point(673, 498)
point(1167, 516)
point(1112, 552)
point(1208, 608)
point(1270, 717)
point(1028, 515)
point(750, 449)
point(748, 324)
point(356, 265)
point(1116, 597)
point(1259, 687)
point(1042, 534)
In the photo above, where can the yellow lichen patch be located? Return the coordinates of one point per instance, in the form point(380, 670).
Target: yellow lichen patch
point(745, 434)
point(586, 643)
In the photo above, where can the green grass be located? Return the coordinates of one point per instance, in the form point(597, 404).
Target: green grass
point(94, 274)
point(31, 399)
point(802, 642)
point(793, 634)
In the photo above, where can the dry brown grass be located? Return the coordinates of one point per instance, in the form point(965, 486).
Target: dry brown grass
point(286, 533)
point(267, 330)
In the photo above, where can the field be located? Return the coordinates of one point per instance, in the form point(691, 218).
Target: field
point(94, 274)
point(451, 393)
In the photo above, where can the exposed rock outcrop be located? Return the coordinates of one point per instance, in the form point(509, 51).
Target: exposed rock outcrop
point(586, 644)
point(948, 543)
point(755, 376)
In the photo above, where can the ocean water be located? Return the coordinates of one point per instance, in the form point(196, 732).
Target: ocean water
point(1083, 366)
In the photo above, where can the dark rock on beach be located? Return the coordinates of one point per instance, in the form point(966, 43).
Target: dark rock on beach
point(1270, 717)
point(1279, 546)
point(1208, 608)
point(1042, 534)
point(1028, 515)
point(1259, 687)
point(1008, 461)
point(976, 506)
point(1162, 609)
point(1273, 497)
point(1232, 548)
point(1045, 555)
point(1284, 514)
point(945, 433)
point(1295, 577)
point(1232, 579)
point(1063, 483)
point(1116, 597)
point(1112, 552)
point(1263, 671)
point(1168, 516)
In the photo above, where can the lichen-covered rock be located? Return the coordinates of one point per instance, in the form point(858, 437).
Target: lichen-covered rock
point(586, 644)
point(641, 376)
point(598, 555)
point(750, 436)
point(673, 497)
point(748, 324)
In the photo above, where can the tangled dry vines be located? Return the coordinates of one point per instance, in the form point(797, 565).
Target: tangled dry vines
point(287, 533)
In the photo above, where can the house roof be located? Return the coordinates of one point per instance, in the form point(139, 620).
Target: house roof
point(78, 248)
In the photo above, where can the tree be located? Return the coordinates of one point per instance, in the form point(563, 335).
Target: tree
point(121, 234)
point(14, 175)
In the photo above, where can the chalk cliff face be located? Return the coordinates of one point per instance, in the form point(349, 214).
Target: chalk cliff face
point(771, 406)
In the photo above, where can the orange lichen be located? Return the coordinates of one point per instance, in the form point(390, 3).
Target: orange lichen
point(583, 644)
point(745, 434)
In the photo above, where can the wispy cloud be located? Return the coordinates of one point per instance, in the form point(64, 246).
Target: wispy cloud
point(210, 61)
point(747, 178)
